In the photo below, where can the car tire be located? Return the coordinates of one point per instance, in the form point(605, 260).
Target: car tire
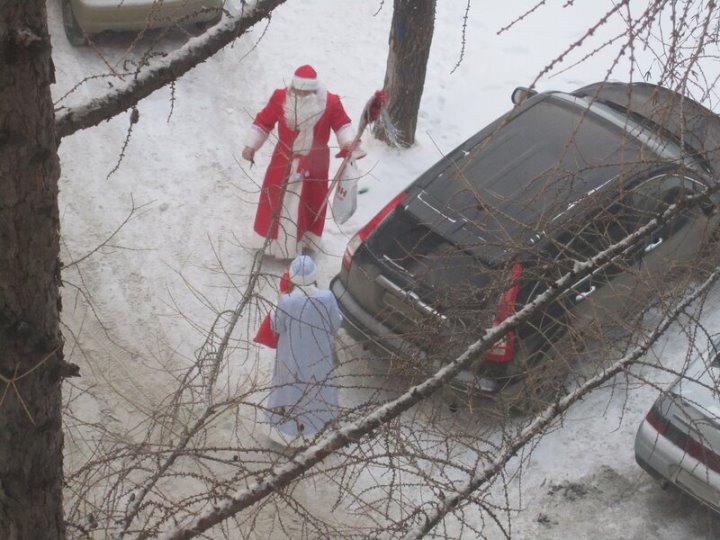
point(74, 33)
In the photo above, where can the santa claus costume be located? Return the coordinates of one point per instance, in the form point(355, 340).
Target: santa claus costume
point(293, 199)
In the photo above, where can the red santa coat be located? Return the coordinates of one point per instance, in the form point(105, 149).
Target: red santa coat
point(313, 164)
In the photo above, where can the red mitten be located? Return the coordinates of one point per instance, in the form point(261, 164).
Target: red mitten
point(357, 153)
point(285, 283)
point(378, 102)
point(342, 154)
point(265, 335)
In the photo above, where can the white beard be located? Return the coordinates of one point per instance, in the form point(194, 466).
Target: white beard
point(302, 113)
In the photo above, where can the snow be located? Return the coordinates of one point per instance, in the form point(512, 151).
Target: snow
point(186, 251)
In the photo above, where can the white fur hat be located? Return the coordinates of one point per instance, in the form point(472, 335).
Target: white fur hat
point(302, 271)
point(305, 78)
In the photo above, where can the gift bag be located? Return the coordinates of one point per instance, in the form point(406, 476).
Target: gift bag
point(344, 201)
point(265, 335)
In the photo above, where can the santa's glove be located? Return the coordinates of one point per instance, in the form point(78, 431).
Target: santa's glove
point(358, 153)
point(378, 102)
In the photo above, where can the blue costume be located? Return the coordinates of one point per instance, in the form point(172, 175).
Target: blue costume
point(303, 398)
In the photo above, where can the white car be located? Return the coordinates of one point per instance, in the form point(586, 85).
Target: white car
point(679, 440)
point(83, 18)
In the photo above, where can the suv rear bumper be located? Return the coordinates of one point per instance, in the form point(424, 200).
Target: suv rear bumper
point(367, 330)
point(374, 335)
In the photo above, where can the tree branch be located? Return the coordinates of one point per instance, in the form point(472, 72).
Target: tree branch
point(162, 71)
point(543, 421)
point(353, 431)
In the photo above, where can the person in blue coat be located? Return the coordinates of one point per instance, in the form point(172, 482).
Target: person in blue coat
point(303, 397)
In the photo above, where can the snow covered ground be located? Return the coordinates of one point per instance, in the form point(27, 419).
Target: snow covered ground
point(186, 251)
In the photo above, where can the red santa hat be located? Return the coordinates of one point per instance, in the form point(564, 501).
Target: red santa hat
point(305, 78)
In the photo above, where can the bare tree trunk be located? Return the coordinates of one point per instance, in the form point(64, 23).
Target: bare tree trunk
point(411, 34)
point(31, 362)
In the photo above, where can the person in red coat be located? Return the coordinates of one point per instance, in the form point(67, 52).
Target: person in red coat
point(293, 199)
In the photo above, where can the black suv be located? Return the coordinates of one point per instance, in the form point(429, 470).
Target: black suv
point(551, 183)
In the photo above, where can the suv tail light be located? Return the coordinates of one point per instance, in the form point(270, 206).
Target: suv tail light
point(504, 348)
point(357, 240)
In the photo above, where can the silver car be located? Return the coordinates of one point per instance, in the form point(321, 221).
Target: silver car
point(679, 440)
point(83, 18)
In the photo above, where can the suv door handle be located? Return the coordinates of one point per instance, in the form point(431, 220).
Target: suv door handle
point(583, 295)
point(652, 246)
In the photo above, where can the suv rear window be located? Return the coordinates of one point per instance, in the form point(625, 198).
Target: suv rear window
point(519, 165)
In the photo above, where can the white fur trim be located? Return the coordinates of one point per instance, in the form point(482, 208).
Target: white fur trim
point(345, 135)
point(300, 83)
point(304, 281)
point(256, 137)
point(302, 113)
point(285, 246)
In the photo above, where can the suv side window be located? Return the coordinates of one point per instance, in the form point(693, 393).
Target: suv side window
point(654, 196)
point(604, 228)
point(608, 226)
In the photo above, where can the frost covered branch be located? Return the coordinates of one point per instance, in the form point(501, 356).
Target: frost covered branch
point(547, 417)
point(352, 432)
point(162, 71)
